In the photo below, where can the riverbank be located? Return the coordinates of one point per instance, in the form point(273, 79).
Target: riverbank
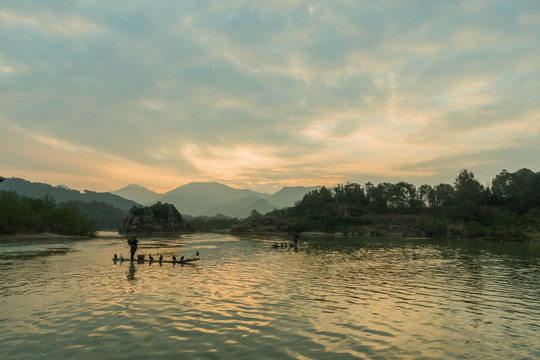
point(408, 230)
point(40, 236)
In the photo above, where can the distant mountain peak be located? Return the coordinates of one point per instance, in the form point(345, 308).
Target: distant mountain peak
point(133, 187)
point(206, 184)
point(137, 193)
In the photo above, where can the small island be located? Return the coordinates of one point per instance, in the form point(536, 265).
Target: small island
point(157, 219)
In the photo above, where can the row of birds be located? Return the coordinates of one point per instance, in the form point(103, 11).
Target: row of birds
point(161, 257)
point(284, 244)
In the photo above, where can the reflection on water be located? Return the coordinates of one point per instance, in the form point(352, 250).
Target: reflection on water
point(338, 298)
point(131, 272)
point(30, 254)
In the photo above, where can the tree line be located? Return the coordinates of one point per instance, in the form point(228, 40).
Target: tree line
point(508, 208)
point(519, 191)
point(21, 214)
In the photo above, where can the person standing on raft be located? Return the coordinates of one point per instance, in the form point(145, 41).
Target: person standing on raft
point(133, 246)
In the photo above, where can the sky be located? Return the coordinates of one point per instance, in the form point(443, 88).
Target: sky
point(265, 94)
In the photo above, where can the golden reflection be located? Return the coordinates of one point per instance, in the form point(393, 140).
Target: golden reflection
point(131, 272)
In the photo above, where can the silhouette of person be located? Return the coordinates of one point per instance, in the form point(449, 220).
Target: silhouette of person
point(133, 246)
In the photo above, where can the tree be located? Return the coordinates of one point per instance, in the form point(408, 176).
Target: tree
point(375, 195)
point(442, 195)
point(469, 191)
point(351, 194)
point(316, 199)
point(395, 195)
point(254, 215)
point(68, 220)
point(520, 190)
point(501, 187)
point(423, 194)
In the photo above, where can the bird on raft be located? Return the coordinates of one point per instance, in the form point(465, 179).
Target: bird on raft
point(182, 258)
point(150, 256)
point(160, 258)
point(173, 258)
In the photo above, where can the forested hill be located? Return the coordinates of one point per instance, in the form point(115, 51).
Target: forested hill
point(61, 194)
point(24, 215)
point(509, 209)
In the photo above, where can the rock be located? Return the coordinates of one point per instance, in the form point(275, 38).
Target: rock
point(158, 219)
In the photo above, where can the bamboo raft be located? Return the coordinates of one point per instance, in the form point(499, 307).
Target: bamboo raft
point(142, 260)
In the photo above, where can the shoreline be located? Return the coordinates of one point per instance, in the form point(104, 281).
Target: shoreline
point(40, 236)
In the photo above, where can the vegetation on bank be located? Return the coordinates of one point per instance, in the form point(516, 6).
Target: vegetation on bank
point(101, 214)
point(24, 215)
point(509, 209)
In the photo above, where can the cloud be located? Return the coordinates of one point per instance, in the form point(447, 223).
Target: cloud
point(267, 93)
point(52, 23)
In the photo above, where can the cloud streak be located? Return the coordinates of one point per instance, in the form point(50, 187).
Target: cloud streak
point(99, 95)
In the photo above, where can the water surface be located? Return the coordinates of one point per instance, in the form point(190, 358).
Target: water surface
point(337, 298)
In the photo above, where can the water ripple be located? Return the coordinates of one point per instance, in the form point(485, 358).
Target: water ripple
point(373, 299)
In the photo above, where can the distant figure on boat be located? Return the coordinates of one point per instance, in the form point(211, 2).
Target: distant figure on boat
point(160, 258)
point(295, 238)
point(182, 258)
point(115, 258)
point(121, 257)
point(133, 242)
point(197, 253)
point(150, 256)
point(174, 258)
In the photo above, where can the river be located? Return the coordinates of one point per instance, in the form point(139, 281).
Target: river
point(335, 298)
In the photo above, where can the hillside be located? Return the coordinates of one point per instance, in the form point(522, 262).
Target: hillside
point(62, 194)
point(241, 208)
point(289, 195)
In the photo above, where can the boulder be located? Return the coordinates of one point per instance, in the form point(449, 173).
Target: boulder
point(158, 219)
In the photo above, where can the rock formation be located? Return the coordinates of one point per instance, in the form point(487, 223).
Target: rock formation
point(154, 220)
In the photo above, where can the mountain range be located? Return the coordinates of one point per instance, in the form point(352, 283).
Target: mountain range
point(211, 198)
point(196, 198)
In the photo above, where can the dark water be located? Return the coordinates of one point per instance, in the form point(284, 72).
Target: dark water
point(338, 298)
